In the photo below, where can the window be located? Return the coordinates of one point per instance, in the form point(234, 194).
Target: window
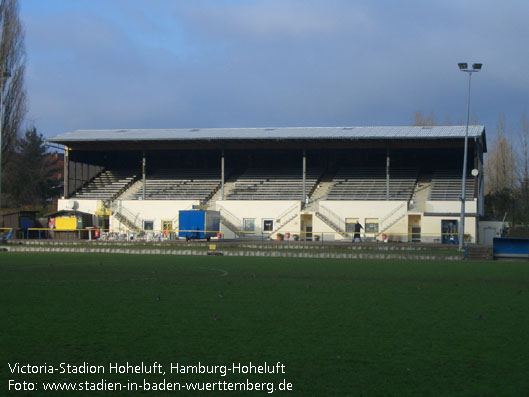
point(371, 225)
point(248, 224)
point(148, 225)
point(268, 225)
point(350, 224)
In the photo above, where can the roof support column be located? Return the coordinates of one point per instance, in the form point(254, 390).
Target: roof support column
point(66, 173)
point(83, 174)
point(304, 197)
point(387, 173)
point(222, 174)
point(143, 168)
point(75, 180)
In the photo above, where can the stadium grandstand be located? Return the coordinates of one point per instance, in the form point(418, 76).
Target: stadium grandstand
point(403, 183)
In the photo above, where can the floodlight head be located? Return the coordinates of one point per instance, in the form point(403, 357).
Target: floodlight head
point(462, 65)
point(477, 66)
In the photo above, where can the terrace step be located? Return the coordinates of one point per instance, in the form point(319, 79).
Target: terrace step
point(479, 253)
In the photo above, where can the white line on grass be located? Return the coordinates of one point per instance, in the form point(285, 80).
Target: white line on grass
point(224, 272)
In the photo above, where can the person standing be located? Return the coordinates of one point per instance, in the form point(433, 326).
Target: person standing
point(358, 227)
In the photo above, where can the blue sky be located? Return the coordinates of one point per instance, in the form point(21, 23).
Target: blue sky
point(206, 63)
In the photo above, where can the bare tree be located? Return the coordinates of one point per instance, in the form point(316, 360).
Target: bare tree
point(474, 119)
point(12, 61)
point(501, 160)
point(524, 149)
point(524, 168)
point(448, 119)
point(419, 119)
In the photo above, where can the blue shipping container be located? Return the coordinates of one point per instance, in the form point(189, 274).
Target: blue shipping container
point(198, 224)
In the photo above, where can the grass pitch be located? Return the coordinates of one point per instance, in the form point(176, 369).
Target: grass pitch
point(340, 327)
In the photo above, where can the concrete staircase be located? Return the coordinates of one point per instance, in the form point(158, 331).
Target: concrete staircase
point(286, 217)
point(229, 184)
point(319, 194)
point(392, 217)
point(129, 219)
point(420, 194)
point(479, 253)
point(331, 219)
point(283, 224)
point(125, 188)
point(132, 190)
point(230, 220)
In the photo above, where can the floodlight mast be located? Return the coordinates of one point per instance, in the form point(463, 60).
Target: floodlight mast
point(476, 67)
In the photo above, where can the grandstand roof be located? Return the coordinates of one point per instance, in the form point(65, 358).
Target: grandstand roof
point(274, 133)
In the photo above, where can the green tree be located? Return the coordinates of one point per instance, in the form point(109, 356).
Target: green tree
point(30, 175)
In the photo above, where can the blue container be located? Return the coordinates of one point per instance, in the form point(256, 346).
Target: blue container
point(198, 224)
point(510, 247)
point(26, 223)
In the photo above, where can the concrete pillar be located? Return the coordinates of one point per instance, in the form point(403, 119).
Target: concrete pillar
point(222, 174)
point(66, 172)
point(304, 175)
point(387, 173)
point(143, 173)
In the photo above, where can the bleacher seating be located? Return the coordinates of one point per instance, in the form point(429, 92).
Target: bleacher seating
point(273, 184)
point(105, 185)
point(446, 185)
point(369, 183)
point(177, 184)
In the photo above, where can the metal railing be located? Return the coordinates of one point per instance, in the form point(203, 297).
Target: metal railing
point(176, 234)
point(286, 217)
point(230, 217)
point(118, 208)
point(285, 213)
point(333, 218)
point(384, 224)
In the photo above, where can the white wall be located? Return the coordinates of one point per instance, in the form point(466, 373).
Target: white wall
point(88, 206)
point(370, 209)
point(488, 230)
point(153, 210)
point(450, 206)
point(158, 210)
point(431, 228)
point(361, 209)
point(259, 210)
point(318, 226)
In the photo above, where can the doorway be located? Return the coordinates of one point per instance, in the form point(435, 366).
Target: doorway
point(103, 222)
point(306, 227)
point(489, 234)
point(414, 228)
point(449, 230)
point(167, 228)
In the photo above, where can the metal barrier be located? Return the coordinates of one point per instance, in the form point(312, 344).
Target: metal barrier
point(172, 235)
point(337, 236)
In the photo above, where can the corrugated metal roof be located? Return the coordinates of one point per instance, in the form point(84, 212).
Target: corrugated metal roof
point(274, 133)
